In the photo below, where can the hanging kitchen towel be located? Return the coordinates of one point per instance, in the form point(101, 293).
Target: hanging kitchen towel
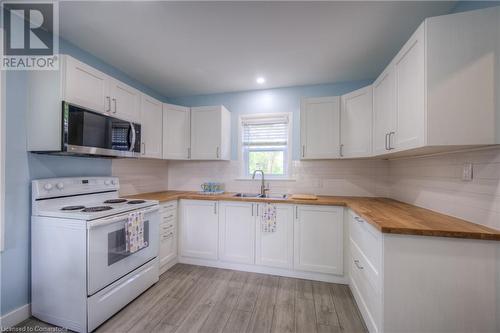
point(134, 232)
point(268, 218)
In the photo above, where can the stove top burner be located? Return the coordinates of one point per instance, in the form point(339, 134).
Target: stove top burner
point(72, 207)
point(115, 201)
point(96, 209)
point(135, 202)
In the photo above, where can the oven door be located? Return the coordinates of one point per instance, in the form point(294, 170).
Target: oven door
point(88, 132)
point(107, 258)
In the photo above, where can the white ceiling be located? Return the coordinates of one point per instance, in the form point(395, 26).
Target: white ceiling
point(191, 48)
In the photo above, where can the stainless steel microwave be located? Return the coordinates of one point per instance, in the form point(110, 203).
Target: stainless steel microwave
point(87, 132)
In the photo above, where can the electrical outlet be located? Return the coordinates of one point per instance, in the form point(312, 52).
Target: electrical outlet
point(467, 172)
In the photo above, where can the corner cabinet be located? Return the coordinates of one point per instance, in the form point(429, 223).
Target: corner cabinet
point(319, 128)
point(318, 239)
point(199, 229)
point(176, 132)
point(151, 127)
point(210, 133)
point(356, 123)
point(237, 232)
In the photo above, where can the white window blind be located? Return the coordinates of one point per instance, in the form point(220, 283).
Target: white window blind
point(265, 132)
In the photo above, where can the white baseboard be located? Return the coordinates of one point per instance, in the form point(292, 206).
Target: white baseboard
point(341, 279)
point(15, 317)
point(165, 267)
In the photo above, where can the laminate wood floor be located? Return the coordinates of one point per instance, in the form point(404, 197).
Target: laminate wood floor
point(203, 299)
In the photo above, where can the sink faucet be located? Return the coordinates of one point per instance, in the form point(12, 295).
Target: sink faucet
point(263, 188)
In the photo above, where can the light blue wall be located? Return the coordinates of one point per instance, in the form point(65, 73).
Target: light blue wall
point(269, 101)
point(463, 6)
point(21, 167)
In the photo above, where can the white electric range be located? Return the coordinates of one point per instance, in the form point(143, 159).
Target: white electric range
point(81, 272)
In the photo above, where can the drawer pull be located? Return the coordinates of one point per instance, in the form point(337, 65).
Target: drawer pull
point(356, 262)
point(360, 220)
point(168, 217)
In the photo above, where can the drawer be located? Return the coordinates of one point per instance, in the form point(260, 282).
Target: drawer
point(168, 206)
point(166, 235)
point(362, 265)
point(368, 299)
point(168, 217)
point(166, 227)
point(367, 238)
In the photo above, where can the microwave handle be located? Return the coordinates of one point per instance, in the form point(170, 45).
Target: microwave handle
point(114, 219)
point(132, 142)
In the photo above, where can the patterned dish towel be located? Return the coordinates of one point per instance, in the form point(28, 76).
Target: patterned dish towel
point(134, 232)
point(268, 218)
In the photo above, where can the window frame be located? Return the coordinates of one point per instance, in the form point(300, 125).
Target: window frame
point(287, 158)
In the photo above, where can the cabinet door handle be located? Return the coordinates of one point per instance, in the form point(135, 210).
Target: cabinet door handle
point(252, 209)
point(114, 102)
point(386, 136)
point(303, 150)
point(390, 135)
point(189, 153)
point(144, 148)
point(217, 152)
point(296, 212)
point(257, 212)
point(215, 208)
point(356, 262)
point(109, 103)
point(341, 153)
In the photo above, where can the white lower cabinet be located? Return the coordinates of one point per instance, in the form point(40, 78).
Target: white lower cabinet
point(168, 233)
point(199, 229)
point(275, 249)
point(318, 239)
point(408, 283)
point(237, 232)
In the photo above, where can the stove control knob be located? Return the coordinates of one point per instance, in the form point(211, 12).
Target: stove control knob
point(114, 182)
point(47, 187)
point(107, 182)
point(60, 186)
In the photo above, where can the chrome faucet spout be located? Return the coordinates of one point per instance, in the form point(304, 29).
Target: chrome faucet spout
point(263, 188)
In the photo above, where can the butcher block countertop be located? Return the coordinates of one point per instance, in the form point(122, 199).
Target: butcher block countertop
point(387, 215)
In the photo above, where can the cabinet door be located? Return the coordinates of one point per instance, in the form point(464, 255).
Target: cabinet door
point(168, 247)
point(275, 249)
point(318, 236)
point(151, 127)
point(86, 86)
point(206, 133)
point(410, 97)
point(319, 127)
point(384, 110)
point(176, 132)
point(356, 123)
point(125, 101)
point(199, 229)
point(237, 232)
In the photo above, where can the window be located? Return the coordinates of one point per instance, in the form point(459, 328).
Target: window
point(265, 145)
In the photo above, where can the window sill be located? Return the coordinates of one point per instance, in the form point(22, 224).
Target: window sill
point(266, 179)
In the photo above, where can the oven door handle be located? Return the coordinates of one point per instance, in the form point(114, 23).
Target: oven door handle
point(132, 142)
point(113, 219)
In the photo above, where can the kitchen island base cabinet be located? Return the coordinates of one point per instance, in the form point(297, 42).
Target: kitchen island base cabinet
point(318, 239)
point(275, 249)
point(237, 232)
point(199, 229)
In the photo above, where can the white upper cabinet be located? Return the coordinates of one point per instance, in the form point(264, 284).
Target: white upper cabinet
point(275, 249)
point(319, 127)
point(125, 101)
point(409, 72)
point(356, 123)
point(210, 133)
point(86, 86)
point(151, 127)
point(384, 110)
point(318, 239)
point(176, 132)
point(237, 232)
